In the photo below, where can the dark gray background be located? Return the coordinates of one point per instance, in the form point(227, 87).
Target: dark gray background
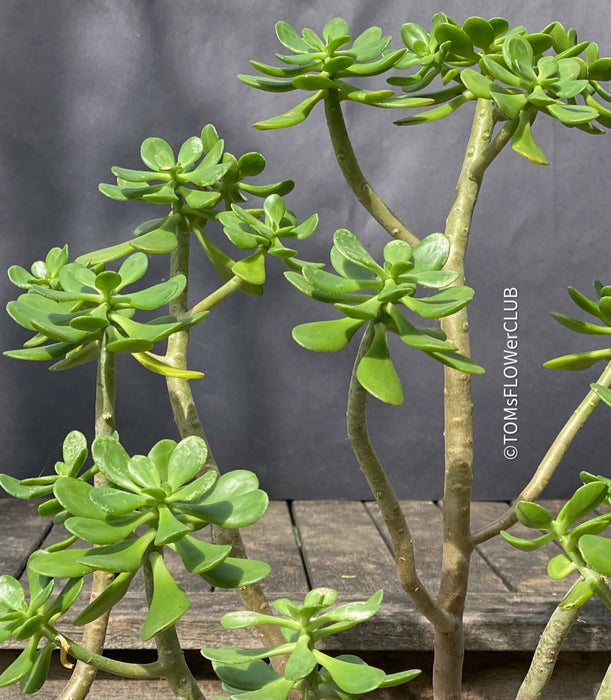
point(84, 82)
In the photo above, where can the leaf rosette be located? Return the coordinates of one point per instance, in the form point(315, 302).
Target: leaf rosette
point(151, 502)
point(600, 309)
point(373, 295)
point(586, 551)
point(86, 311)
point(346, 676)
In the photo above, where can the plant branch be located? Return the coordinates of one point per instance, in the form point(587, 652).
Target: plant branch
point(94, 633)
point(546, 654)
point(188, 422)
point(353, 174)
point(232, 285)
point(550, 461)
point(385, 496)
point(458, 413)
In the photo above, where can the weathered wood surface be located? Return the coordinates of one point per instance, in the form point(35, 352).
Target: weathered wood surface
point(343, 545)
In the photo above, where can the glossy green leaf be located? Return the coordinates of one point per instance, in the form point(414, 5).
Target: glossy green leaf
point(583, 501)
point(233, 573)
point(12, 595)
point(294, 116)
point(252, 268)
point(301, 662)
point(157, 295)
point(480, 31)
point(289, 38)
point(158, 241)
point(415, 337)
point(431, 115)
point(602, 391)
point(35, 679)
point(277, 85)
point(21, 666)
point(207, 175)
point(600, 70)
point(476, 83)
point(578, 596)
point(195, 490)
point(115, 501)
point(233, 511)
point(326, 336)
point(458, 362)
point(123, 556)
point(376, 372)
point(533, 515)
point(100, 532)
point(572, 115)
point(190, 151)
point(523, 142)
point(154, 364)
point(440, 304)
point(199, 556)
point(350, 674)
point(60, 564)
point(578, 361)
point(15, 488)
point(73, 494)
point(581, 326)
point(560, 567)
point(596, 551)
point(518, 56)
point(157, 154)
point(186, 460)
point(169, 528)
point(68, 595)
point(527, 545)
point(112, 459)
point(329, 284)
point(107, 599)
point(394, 679)
point(248, 676)
point(169, 601)
point(349, 246)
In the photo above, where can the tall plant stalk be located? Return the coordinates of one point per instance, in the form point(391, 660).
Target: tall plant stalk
point(188, 421)
point(94, 633)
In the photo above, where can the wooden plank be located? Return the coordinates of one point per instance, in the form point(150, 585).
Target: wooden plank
point(272, 540)
point(524, 572)
point(343, 549)
point(22, 532)
point(425, 521)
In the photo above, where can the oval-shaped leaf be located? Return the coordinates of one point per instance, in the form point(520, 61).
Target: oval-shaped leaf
point(376, 372)
point(326, 336)
point(169, 601)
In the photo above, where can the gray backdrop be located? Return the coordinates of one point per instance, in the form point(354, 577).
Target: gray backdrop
point(85, 81)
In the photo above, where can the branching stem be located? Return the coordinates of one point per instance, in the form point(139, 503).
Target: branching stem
point(386, 498)
point(550, 461)
point(353, 174)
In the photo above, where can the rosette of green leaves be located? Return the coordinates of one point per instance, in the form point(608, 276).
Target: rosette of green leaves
point(245, 674)
point(193, 183)
point(332, 61)
point(586, 551)
point(486, 59)
point(600, 309)
point(151, 502)
point(250, 233)
point(370, 294)
point(85, 311)
point(42, 272)
point(33, 621)
point(75, 453)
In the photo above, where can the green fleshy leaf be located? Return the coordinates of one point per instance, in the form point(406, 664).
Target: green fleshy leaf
point(349, 246)
point(107, 599)
point(234, 573)
point(578, 361)
point(100, 532)
point(199, 556)
point(523, 142)
point(431, 115)
point(294, 116)
point(596, 551)
point(376, 372)
point(252, 268)
point(583, 501)
point(350, 673)
point(186, 460)
point(477, 83)
point(572, 114)
point(157, 295)
point(249, 676)
point(169, 528)
point(440, 304)
point(578, 596)
point(116, 502)
point(123, 556)
point(301, 662)
point(22, 665)
point(35, 679)
point(431, 253)
point(61, 564)
point(169, 602)
point(326, 336)
point(15, 488)
point(289, 38)
point(518, 55)
point(154, 364)
point(560, 567)
point(157, 154)
point(394, 679)
point(195, 490)
point(190, 151)
point(581, 326)
point(533, 515)
point(158, 241)
point(480, 32)
point(458, 362)
point(416, 337)
point(527, 545)
point(112, 459)
point(12, 595)
point(208, 175)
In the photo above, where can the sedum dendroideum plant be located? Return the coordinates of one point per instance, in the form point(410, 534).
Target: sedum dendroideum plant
point(511, 77)
point(130, 510)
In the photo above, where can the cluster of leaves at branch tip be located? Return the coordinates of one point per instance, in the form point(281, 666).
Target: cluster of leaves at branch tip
point(586, 551)
point(244, 672)
point(366, 292)
point(524, 73)
point(600, 309)
point(198, 183)
point(150, 502)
